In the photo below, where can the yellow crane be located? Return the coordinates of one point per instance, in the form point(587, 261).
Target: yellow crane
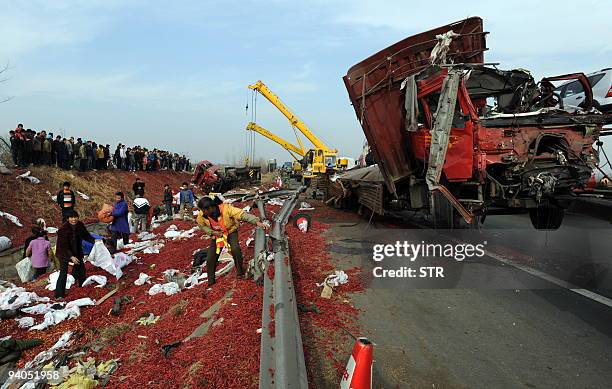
point(290, 147)
point(321, 158)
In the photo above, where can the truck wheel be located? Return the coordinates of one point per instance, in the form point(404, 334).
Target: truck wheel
point(546, 217)
point(442, 211)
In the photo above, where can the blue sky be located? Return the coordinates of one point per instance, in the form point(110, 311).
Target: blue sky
point(174, 74)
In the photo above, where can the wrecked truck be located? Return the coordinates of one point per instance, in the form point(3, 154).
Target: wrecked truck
point(461, 139)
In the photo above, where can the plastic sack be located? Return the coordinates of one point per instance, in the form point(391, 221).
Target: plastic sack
point(87, 246)
point(5, 243)
point(104, 215)
point(169, 288)
point(102, 258)
point(53, 280)
point(25, 269)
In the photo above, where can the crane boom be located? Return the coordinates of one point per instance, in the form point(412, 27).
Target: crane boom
point(290, 147)
point(260, 87)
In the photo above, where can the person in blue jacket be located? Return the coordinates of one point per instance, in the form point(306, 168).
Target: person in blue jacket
point(120, 227)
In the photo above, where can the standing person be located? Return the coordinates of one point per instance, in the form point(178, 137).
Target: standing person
point(186, 201)
point(62, 154)
point(120, 227)
point(221, 221)
point(106, 156)
point(117, 157)
point(69, 143)
point(66, 200)
point(91, 155)
point(100, 155)
point(138, 187)
point(168, 200)
point(69, 249)
point(46, 151)
point(39, 250)
point(83, 157)
point(14, 148)
point(57, 142)
point(36, 149)
point(141, 213)
point(76, 152)
point(123, 157)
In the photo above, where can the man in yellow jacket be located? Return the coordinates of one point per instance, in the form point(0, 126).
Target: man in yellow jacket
point(221, 221)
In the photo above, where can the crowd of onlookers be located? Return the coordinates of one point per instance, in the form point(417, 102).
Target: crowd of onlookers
point(29, 147)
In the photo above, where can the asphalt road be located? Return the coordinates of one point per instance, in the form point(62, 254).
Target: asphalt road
point(495, 326)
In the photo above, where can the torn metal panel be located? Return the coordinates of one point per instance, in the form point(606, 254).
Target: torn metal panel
point(443, 120)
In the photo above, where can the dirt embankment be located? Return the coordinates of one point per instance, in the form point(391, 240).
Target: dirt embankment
point(27, 201)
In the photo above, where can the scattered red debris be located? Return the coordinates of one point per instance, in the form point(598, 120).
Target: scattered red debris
point(228, 355)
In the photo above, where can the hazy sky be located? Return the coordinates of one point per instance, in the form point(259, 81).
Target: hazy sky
point(174, 74)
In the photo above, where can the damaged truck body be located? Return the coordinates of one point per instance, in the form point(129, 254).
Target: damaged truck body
point(460, 139)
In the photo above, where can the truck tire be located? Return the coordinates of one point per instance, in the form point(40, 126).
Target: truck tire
point(546, 217)
point(442, 211)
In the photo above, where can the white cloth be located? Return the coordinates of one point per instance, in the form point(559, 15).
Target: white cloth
point(38, 309)
point(22, 299)
point(169, 288)
point(142, 278)
point(44, 356)
point(82, 302)
point(337, 278)
point(54, 317)
point(100, 280)
point(25, 322)
point(12, 218)
point(27, 176)
point(53, 280)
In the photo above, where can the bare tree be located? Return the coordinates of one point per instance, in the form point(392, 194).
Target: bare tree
point(3, 70)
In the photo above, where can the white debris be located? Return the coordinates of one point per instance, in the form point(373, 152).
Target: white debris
point(100, 280)
point(55, 317)
point(176, 234)
point(247, 208)
point(142, 278)
point(338, 277)
point(303, 225)
point(44, 356)
point(154, 249)
point(276, 201)
point(53, 280)
point(18, 298)
point(144, 235)
point(248, 241)
point(13, 219)
point(304, 206)
point(82, 302)
point(38, 309)
point(5, 243)
point(25, 322)
point(172, 227)
point(101, 257)
point(51, 230)
point(172, 234)
point(25, 271)
point(83, 195)
point(27, 176)
point(169, 288)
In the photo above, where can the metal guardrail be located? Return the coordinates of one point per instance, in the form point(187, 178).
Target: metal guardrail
point(282, 364)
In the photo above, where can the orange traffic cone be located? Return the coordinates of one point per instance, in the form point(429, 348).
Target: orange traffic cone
point(358, 372)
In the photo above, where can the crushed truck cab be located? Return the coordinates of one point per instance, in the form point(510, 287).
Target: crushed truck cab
point(456, 137)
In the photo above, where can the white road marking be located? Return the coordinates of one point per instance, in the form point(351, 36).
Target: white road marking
point(553, 280)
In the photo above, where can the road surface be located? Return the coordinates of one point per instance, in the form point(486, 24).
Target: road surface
point(526, 333)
